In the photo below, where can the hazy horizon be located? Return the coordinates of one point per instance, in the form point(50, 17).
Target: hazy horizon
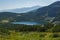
point(12, 4)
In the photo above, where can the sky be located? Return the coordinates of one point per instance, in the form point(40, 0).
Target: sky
point(11, 4)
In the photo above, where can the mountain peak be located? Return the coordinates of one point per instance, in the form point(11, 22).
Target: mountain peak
point(58, 2)
point(55, 4)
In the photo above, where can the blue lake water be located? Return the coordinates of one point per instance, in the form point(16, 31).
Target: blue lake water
point(28, 23)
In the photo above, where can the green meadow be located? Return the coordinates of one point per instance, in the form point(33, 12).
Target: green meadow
point(31, 36)
point(27, 32)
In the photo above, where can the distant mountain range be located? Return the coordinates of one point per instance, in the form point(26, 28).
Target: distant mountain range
point(49, 13)
point(21, 10)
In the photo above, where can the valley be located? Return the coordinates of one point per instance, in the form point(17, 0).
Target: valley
point(32, 23)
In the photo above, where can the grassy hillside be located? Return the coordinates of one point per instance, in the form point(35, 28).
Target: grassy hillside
point(28, 32)
point(30, 36)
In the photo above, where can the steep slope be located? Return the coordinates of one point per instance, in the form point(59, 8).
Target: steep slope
point(51, 11)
